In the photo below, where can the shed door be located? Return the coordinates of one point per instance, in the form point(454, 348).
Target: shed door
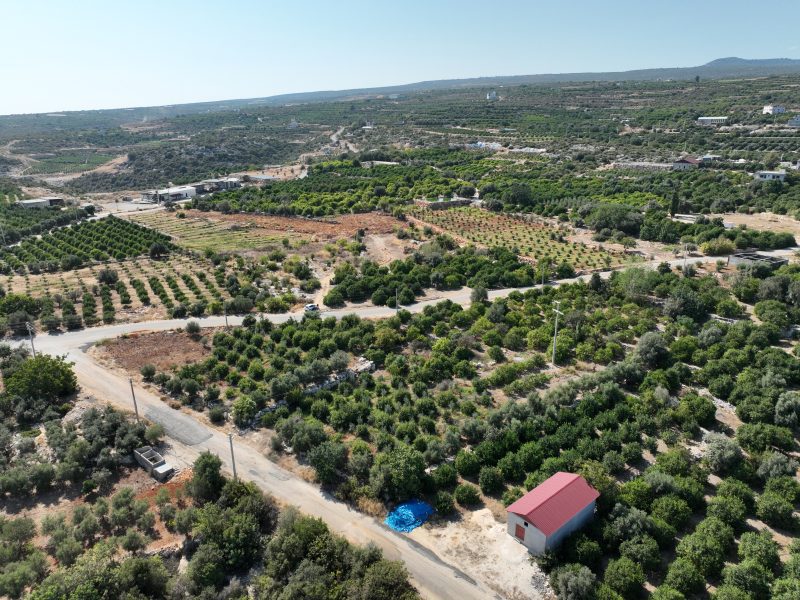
point(520, 532)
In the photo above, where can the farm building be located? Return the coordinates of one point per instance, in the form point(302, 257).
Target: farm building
point(769, 175)
point(46, 202)
point(685, 163)
point(794, 121)
point(773, 109)
point(756, 259)
point(223, 183)
point(169, 194)
point(711, 121)
point(545, 516)
point(641, 165)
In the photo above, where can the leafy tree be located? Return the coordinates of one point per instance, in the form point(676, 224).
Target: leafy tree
point(624, 576)
point(760, 547)
point(652, 349)
point(722, 453)
point(749, 576)
point(443, 503)
point(684, 577)
point(44, 377)
point(398, 473)
point(386, 580)
point(665, 592)
point(775, 510)
point(491, 480)
point(207, 480)
point(643, 550)
point(328, 459)
point(467, 495)
point(573, 582)
point(207, 567)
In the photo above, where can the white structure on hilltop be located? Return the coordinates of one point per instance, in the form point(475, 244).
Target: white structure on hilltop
point(770, 175)
point(773, 109)
point(712, 121)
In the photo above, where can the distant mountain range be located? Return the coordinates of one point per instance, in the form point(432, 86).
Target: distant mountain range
point(722, 68)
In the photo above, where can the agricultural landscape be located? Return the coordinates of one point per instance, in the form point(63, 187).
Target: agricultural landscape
point(446, 296)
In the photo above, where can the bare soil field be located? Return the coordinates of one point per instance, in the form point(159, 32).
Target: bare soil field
point(199, 230)
point(319, 229)
point(763, 222)
point(163, 349)
point(482, 548)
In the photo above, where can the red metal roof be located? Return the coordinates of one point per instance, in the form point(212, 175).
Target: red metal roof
point(555, 501)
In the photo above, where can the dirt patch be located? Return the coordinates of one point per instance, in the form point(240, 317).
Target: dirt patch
point(763, 222)
point(164, 349)
point(386, 247)
point(176, 487)
point(326, 229)
point(482, 548)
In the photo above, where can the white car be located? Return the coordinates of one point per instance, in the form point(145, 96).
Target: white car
point(311, 308)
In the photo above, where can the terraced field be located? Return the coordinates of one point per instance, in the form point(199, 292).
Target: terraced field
point(68, 163)
point(196, 232)
point(532, 240)
point(147, 289)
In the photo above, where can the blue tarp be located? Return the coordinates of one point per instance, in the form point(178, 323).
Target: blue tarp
point(409, 515)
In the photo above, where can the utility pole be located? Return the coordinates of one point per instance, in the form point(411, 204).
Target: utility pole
point(225, 312)
point(233, 459)
point(396, 301)
point(555, 331)
point(30, 335)
point(135, 405)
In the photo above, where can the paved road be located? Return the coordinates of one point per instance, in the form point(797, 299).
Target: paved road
point(189, 437)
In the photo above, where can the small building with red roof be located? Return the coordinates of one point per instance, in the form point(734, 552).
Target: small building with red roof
point(685, 163)
point(551, 511)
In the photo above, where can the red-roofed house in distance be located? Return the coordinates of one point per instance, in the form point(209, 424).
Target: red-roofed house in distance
point(551, 511)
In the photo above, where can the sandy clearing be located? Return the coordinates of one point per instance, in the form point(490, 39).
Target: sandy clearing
point(765, 221)
point(164, 350)
point(482, 548)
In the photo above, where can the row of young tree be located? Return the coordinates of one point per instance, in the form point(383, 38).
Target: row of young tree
point(436, 264)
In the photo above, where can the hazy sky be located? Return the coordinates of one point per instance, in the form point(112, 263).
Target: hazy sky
point(79, 54)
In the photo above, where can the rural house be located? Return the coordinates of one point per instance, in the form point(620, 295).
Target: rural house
point(684, 164)
point(712, 121)
point(779, 175)
point(773, 109)
point(546, 515)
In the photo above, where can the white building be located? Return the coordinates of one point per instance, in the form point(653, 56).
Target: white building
point(794, 121)
point(551, 511)
point(491, 95)
point(712, 121)
point(45, 202)
point(171, 194)
point(770, 175)
point(773, 109)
